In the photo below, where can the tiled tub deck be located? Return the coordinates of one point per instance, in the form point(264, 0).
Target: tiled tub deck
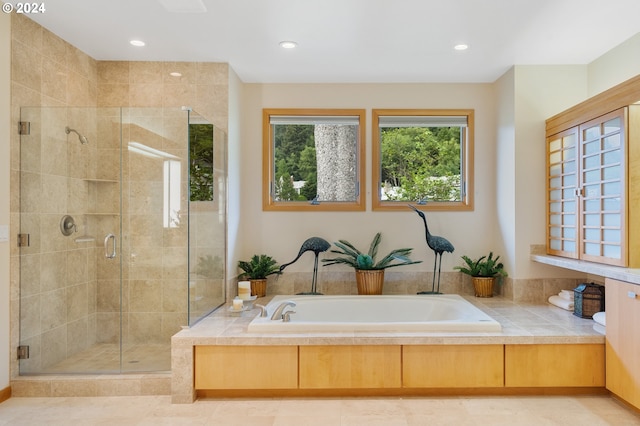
point(522, 324)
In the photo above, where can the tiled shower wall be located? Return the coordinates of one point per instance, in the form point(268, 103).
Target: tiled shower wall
point(47, 71)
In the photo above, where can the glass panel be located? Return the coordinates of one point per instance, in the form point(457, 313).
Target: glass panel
point(555, 244)
point(555, 157)
point(612, 141)
point(591, 147)
point(206, 219)
point(591, 191)
point(555, 207)
point(611, 204)
point(592, 249)
point(555, 219)
point(569, 154)
point(592, 176)
point(569, 141)
point(612, 125)
point(555, 170)
point(569, 167)
point(555, 195)
point(611, 235)
point(568, 193)
point(612, 188)
point(592, 205)
point(591, 162)
point(612, 251)
point(555, 232)
point(591, 234)
point(611, 157)
point(611, 220)
point(569, 207)
point(554, 145)
point(611, 173)
point(569, 246)
point(569, 233)
point(592, 220)
point(569, 181)
point(555, 182)
point(569, 219)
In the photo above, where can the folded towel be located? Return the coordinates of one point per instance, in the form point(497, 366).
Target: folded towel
point(561, 303)
point(600, 329)
point(599, 317)
point(566, 294)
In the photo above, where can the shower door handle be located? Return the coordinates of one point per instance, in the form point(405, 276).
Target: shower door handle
point(112, 254)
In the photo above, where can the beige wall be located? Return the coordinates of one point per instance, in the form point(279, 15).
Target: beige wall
point(5, 136)
point(280, 234)
point(615, 66)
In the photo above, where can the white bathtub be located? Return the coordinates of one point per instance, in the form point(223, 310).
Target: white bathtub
point(410, 313)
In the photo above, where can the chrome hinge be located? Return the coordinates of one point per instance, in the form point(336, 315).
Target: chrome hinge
point(23, 240)
point(23, 352)
point(24, 127)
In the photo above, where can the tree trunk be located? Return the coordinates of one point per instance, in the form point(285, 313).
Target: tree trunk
point(336, 158)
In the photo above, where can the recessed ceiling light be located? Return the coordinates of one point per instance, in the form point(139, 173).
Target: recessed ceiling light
point(175, 74)
point(137, 43)
point(288, 44)
point(461, 46)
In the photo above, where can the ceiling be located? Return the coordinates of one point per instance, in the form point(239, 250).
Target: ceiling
point(348, 41)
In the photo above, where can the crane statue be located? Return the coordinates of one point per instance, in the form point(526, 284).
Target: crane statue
point(439, 245)
point(316, 245)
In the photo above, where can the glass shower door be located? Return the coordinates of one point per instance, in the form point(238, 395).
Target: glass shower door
point(70, 230)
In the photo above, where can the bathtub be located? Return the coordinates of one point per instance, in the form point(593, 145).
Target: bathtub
point(386, 313)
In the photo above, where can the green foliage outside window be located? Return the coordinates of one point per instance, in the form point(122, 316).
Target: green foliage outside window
point(201, 162)
point(421, 163)
point(295, 161)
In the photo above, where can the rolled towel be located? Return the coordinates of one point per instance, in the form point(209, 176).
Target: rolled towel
point(566, 294)
point(561, 303)
point(599, 317)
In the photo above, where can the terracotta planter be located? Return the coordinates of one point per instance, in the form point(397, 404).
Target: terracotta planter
point(259, 287)
point(370, 281)
point(483, 286)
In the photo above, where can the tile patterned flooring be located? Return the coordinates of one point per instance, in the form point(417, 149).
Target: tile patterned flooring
point(105, 358)
point(458, 411)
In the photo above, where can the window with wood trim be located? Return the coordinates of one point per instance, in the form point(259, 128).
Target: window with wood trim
point(422, 157)
point(313, 159)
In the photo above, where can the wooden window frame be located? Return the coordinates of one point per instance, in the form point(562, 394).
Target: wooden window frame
point(466, 204)
point(268, 169)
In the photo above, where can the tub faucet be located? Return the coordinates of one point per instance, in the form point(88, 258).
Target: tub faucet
point(277, 314)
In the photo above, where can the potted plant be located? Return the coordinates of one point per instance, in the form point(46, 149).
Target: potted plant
point(483, 271)
point(369, 272)
point(257, 270)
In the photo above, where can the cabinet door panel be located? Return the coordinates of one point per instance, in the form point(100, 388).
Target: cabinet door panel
point(623, 340)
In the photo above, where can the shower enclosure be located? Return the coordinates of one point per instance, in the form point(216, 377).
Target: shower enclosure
point(122, 235)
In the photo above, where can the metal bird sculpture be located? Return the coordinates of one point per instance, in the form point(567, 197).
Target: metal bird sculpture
point(439, 245)
point(316, 245)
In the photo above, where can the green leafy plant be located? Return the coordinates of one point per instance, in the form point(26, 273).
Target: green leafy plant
point(259, 267)
point(367, 261)
point(485, 266)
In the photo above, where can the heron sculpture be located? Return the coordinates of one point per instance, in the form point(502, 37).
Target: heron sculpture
point(316, 245)
point(439, 245)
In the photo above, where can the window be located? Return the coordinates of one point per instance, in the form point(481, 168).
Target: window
point(423, 157)
point(313, 159)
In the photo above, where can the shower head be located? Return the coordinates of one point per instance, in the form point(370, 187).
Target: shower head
point(83, 139)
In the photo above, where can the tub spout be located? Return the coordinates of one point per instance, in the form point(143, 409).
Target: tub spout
point(277, 314)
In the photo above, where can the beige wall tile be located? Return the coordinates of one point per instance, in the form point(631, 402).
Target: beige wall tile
point(145, 73)
point(26, 67)
point(76, 387)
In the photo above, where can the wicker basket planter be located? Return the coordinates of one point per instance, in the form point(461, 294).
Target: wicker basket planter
point(370, 281)
point(483, 286)
point(259, 287)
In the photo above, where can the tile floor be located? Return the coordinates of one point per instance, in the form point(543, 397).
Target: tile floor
point(105, 358)
point(458, 411)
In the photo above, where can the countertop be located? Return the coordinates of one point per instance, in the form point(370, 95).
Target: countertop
point(522, 323)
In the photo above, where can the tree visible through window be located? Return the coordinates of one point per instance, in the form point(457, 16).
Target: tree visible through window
point(312, 159)
point(422, 157)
